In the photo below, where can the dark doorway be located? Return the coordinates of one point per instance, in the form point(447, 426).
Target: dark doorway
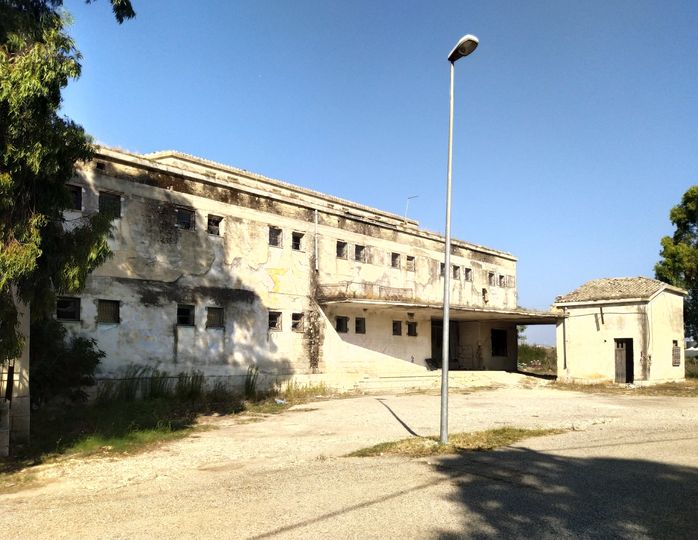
point(437, 329)
point(624, 361)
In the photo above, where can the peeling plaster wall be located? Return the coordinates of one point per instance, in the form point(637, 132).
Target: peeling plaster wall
point(666, 326)
point(157, 266)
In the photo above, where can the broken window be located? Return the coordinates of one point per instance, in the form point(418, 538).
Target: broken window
point(214, 317)
point(499, 342)
point(397, 328)
point(67, 309)
point(75, 197)
point(297, 322)
point(485, 296)
point(395, 260)
point(296, 241)
point(360, 325)
point(110, 204)
point(275, 320)
point(341, 249)
point(185, 315)
point(456, 272)
point(108, 312)
point(468, 274)
point(442, 269)
point(411, 328)
point(502, 280)
point(410, 263)
point(214, 225)
point(341, 324)
point(275, 236)
point(360, 253)
point(184, 218)
point(491, 279)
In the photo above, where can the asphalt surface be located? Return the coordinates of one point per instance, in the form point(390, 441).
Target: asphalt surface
point(626, 468)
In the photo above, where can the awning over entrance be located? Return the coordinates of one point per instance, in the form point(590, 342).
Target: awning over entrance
point(457, 313)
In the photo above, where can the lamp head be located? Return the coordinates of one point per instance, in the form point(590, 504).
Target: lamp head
point(466, 45)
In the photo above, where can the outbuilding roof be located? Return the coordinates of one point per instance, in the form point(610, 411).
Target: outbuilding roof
point(617, 289)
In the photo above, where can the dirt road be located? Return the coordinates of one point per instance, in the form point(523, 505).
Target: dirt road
point(627, 467)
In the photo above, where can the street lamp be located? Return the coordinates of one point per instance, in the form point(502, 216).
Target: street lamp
point(464, 47)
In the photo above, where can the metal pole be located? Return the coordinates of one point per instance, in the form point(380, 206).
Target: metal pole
point(447, 279)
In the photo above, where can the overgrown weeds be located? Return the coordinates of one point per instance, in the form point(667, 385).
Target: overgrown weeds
point(458, 443)
point(692, 368)
point(687, 388)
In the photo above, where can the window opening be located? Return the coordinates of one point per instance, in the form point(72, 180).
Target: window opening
point(341, 249)
point(456, 272)
point(108, 311)
point(360, 253)
point(410, 263)
point(397, 328)
point(297, 322)
point(296, 241)
point(275, 320)
point(490, 279)
point(184, 219)
point(468, 274)
point(67, 309)
point(75, 197)
point(110, 204)
point(360, 325)
point(214, 317)
point(275, 236)
point(214, 225)
point(412, 328)
point(395, 260)
point(499, 342)
point(341, 324)
point(185, 315)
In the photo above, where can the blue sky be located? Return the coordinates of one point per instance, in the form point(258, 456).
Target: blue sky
point(576, 125)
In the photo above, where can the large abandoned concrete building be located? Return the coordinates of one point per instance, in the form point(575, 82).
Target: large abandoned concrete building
point(218, 269)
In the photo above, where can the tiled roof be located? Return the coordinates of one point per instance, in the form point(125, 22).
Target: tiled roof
point(615, 289)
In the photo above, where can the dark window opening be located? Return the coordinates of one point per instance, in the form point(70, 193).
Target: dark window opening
point(185, 315)
point(214, 225)
point(395, 260)
point(297, 322)
point(100, 166)
point(341, 324)
point(468, 274)
point(502, 281)
point(214, 317)
point(485, 296)
point(67, 309)
point(491, 279)
point(184, 219)
point(499, 342)
point(442, 269)
point(397, 328)
point(108, 311)
point(275, 320)
point(275, 236)
point(360, 253)
point(456, 272)
point(341, 249)
point(410, 263)
point(412, 328)
point(360, 325)
point(75, 197)
point(296, 241)
point(110, 204)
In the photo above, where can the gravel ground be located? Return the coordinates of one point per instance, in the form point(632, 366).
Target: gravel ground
point(627, 468)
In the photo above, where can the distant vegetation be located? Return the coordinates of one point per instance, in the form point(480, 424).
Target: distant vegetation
point(692, 368)
point(537, 359)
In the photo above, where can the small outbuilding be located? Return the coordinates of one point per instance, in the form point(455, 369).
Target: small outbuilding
point(625, 330)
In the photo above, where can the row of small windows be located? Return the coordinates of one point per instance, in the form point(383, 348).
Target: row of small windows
point(341, 325)
point(110, 203)
point(276, 321)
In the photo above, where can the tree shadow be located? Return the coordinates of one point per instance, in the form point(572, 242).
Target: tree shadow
point(522, 493)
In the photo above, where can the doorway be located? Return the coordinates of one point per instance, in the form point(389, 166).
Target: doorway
point(624, 361)
point(437, 326)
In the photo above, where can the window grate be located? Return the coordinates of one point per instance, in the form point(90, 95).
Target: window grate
point(108, 312)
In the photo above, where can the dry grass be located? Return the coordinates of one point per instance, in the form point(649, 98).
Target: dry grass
point(458, 443)
point(688, 388)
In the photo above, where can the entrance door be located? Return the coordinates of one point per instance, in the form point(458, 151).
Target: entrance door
point(437, 326)
point(624, 361)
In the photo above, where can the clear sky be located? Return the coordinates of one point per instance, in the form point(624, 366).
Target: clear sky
point(576, 125)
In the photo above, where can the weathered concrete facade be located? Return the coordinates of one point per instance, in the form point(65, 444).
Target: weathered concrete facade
point(217, 269)
point(626, 330)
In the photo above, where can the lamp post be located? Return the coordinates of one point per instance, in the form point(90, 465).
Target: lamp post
point(464, 47)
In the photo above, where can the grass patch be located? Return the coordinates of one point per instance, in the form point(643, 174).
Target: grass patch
point(688, 388)
point(458, 443)
point(692, 368)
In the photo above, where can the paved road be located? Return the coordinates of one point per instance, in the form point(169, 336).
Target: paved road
point(628, 468)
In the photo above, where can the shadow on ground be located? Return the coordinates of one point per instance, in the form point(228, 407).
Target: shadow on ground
point(521, 493)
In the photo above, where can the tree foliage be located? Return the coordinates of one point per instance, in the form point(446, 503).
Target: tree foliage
point(39, 255)
point(679, 264)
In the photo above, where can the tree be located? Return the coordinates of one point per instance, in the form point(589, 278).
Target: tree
point(679, 264)
point(39, 149)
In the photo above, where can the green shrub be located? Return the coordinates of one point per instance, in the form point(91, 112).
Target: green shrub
point(190, 386)
point(60, 367)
